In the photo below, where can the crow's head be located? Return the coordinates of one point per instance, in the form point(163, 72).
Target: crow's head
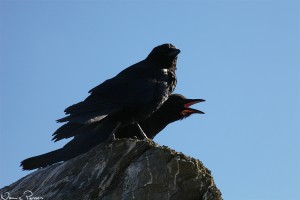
point(177, 107)
point(164, 55)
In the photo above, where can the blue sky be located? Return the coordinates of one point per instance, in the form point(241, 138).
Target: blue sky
point(241, 56)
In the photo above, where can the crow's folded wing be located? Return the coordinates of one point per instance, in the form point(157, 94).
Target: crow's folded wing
point(112, 96)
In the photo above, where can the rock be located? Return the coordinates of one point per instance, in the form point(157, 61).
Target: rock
point(123, 169)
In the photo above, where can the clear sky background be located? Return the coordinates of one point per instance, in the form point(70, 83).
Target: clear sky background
point(243, 57)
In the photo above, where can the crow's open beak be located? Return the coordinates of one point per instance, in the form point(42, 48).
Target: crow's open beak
point(188, 103)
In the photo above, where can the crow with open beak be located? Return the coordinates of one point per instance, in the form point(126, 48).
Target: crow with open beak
point(177, 107)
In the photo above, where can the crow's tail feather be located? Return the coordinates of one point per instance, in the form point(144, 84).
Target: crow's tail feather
point(42, 160)
point(90, 136)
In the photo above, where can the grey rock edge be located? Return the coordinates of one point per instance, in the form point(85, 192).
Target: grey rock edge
point(123, 169)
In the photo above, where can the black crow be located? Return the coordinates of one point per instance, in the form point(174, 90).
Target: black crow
point(177, 107)
point(131, 96)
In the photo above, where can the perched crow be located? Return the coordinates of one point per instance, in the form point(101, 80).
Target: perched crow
point(131, 96)
point(177, 107)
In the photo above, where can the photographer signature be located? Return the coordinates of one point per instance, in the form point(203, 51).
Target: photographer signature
point(28, 195)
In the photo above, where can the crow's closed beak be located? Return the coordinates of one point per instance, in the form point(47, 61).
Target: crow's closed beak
point(174, 52)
